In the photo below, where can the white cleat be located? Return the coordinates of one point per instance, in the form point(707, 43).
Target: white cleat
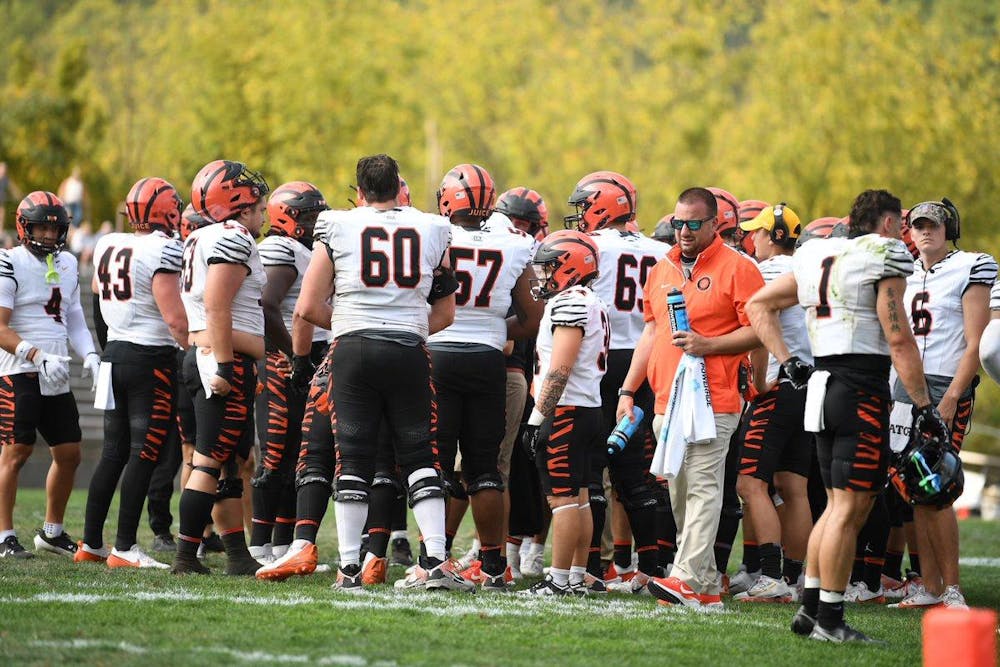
point(766, 589)
point(134, 557)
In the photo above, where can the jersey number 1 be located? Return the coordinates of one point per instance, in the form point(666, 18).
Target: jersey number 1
point(823, 309)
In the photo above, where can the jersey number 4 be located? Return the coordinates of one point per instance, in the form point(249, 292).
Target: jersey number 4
point(492, 259)
point(114, 274)
point(402, 267)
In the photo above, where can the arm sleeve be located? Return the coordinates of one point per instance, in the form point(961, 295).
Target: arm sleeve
point(100, 326)
point(8, 283)
point(76, 328)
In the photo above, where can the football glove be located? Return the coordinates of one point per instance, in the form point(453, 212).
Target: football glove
point(927, 420)
point(301, 375)
point(529, 439)
point(53, 368)
point(91, 365)
point(798, 372)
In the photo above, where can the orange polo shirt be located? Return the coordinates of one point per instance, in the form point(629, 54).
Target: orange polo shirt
point(722, 281)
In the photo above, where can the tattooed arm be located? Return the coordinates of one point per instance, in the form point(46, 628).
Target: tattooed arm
point(902, 346)
point(566, 342)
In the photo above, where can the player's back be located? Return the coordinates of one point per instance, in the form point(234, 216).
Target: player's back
point(384, 263)
point(285, 251)
point(125, 265)
point(624, 263)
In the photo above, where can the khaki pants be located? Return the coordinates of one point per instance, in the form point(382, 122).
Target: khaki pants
point(517, 394)
point(696, 496)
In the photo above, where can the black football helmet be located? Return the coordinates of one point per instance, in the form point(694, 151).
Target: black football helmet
point(927, 472)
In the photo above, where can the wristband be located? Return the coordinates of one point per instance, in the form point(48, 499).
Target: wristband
point(22, 350)
point(536, 418)
point(225, 371)
point(626, 392)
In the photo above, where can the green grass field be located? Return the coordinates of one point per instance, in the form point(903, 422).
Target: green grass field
point(52, 611)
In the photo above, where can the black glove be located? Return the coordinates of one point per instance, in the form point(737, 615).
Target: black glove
point(301, 375)
point(797, 371)
point(927, 420)
point(529, 439)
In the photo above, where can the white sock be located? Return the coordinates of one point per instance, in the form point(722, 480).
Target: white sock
point(298, 545)
point(351, 518)
point(429, 514)
point(576, 574)
point(4, 534)
point(830, 597)
point(513, 556)
point(52, 529)
point(559, 577)
point(476, 546)
point(536, 548)
point(259, 552)
point(811, 582)
point(399, 534)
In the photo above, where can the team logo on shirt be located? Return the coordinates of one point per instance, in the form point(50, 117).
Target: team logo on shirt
point(703, 284)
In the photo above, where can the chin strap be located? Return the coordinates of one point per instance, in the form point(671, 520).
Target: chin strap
point(51, 275)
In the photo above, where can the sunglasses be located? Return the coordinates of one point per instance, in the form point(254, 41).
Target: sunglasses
point(693, 225)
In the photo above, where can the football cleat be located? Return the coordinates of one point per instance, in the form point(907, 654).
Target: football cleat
point(87, 554)
point(497, 582)
point(373, 571)
point(473, 571)
point(803, 623)
point(591, 586)
point(134, 557)
point(673, 591)
point(416, 578)
point(712, 602)
point(279, 550)
point(262, 554)
point(349, 582)
point(953, 598)
point(634, 586)
point(742, 581)
point(61, 544)
point(400, 553)
point(841, 634)
point(242, 566)
point(185, 564)
point(861, 594)
point(893, 589)
point(766, 589)
point(164, 543)
point(471, 556)
point(298, 560)
point(11, 548)
point(546, 587)
point(445, 576)
point(918, 598)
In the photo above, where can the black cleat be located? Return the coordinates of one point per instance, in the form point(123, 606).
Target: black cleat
point(803, 623)
point(213, 543)
point(11, 548)
point(401, 554)
point(841, 634)
point(164, 543)
point(188, 564)
point(61, 544)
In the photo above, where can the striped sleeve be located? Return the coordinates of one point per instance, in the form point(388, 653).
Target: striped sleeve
point(6, 266)
point(984, 270)
point(276, 253)
point(898, 260)
point(233, 247)
point(570, 309)
point(170, 257)
point(995, 297)
point(321, 229)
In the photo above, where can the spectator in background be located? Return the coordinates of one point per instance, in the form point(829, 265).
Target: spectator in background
point(72, 192)
point(8, 191)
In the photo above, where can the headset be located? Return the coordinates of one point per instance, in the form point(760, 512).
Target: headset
point(780, 234)
point(952, 223)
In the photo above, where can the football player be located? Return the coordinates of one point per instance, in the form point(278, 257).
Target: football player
point(39, 313)
point(852, 289)
point(948, 295)
point(381, 260)
point(285, 253)
point(526, 210)
point(139, 302)
point(775, 448)
point(606, 202)
point(222, 281)
point(566, 426)
point(491, 260)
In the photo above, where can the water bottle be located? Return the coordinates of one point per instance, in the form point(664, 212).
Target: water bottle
point(677, 310)
point(626, 427)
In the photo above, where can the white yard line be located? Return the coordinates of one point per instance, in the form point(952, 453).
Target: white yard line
point(980, 562)
point(244, 656)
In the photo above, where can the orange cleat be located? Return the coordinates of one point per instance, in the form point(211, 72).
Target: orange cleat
point(300, 561)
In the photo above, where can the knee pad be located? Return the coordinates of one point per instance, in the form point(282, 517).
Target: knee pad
point(267, 479)
point(208, 470)
point(732, 511)
point(230, 487)
point(382, 480)
point(597, 497)
point(455, 489)
point(490, 481)
point(425, 489)
point(638, 497)
point(312, 477)
point(350, 489)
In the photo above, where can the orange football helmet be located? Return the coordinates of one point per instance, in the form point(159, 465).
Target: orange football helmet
point(526, 209)
point(467, 189)
point(224, 188)
point(822, 228)
point(41, 208)
point(601, 198)
point(293, 208)
point(190, 221)
point(564, 259)
point(728, 216)
point(154, 205)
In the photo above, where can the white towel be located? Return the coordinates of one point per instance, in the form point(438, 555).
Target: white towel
point(689, 418)
point(207, 365)
point(900, 423)
point(104, 394)
point(815, 396)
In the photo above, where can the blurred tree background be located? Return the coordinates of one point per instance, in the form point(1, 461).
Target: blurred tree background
point(806, 102)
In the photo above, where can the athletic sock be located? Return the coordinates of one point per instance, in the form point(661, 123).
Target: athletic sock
point(378, 541)
point(810, 596)
point(429, 514)
point(623, 554)
point(791, 570)
point(135, 486)
point(283, 530)
point(313, 499)
point(235, 543)
point(260, 532)
point(893, 567)
point(99, 495)
point(751, 556)
point(831, 609)
point(492, 562)
point(350, 522)
point(559, 577)
point(577, 573)
point(914, 563)
point(53, 529)
point(770, 560)
point(195, 509)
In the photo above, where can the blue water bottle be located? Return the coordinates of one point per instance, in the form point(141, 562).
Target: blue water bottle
point(626, 427)
point(677, 311)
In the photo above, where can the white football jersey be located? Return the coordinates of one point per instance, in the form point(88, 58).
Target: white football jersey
point(624, 261)
point(38, 306)
point(933, 299)
point(285, 251)
point(837, 283)
point(487, 264)
point(384, 263)
point(576, 307)
point(223, 243)
point(793, 318)
point(995, 297)
point(125, 265)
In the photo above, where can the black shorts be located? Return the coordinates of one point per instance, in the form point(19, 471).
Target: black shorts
point(224, 423)
point(185, 404)
point(470, 391)
point(628, 468)
point(143, 379)
point(566, 443)
point(853, 451)
point(774, 438)
point(24, 412)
